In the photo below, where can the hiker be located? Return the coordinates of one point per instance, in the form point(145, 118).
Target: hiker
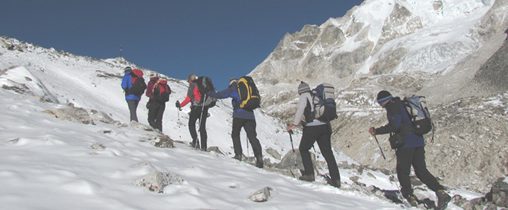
point(241, 118)
point(149, 93)
point(409, 153)
point(198, 111)
point(159, 96)
point(313, 131)
point(133, 85)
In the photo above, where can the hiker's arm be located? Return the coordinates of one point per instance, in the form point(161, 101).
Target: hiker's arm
point(185, 101)
point(302, 103)
point(226, 93)
point(394, 121)
point(125, 82)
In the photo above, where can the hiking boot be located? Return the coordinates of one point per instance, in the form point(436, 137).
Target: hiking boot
point(412, 200)
point(238, 157)
point(307, 177)
point(442, 199)
point(334, 182)
point(195, 144)
point(259, 162)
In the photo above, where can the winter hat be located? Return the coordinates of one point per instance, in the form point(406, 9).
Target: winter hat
point(383, 96)
point(128, 68)
point(303, 87)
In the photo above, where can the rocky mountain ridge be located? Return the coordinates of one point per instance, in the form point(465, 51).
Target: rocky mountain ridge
point(452, 52)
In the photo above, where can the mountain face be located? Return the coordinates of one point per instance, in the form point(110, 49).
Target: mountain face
point(447, 50)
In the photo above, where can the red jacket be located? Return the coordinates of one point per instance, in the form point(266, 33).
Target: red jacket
point(193, 95)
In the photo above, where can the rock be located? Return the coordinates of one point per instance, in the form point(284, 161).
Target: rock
point(262, 195)
point(459, 201)
point(354, 179)
point(98, 147)
point(157, 181)
point(71, 113)
point(163, 141)
point(288, 161)
point(215, 149)
point(274, 153)
point(499, 192)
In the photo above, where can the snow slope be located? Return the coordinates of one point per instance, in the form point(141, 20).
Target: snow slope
point(59, 163)
point(48, 163)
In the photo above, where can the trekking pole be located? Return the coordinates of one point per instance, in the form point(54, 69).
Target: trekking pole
point(292, 147)
point(378, 145)
point(201, 115)
point(291, 139)
point(178, 114)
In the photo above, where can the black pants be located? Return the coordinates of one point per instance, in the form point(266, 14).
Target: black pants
point(155, 114)
point(133, 106)
point(194, 115)
point(250, 128)
point(322, 134)
point(415, 157)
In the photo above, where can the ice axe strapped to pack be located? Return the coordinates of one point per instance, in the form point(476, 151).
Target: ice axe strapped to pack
point(248, 93)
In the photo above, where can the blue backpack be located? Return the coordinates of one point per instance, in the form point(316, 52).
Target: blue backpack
point(323, 101)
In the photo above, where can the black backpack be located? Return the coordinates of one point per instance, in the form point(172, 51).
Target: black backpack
point(205, 85)
point(138, 85)
point(248, 93)
point(419, 114)
point(161, 94)
point(323, 101)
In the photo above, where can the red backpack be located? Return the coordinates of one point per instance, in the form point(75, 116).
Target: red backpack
point(138, 83)
point(161, 91)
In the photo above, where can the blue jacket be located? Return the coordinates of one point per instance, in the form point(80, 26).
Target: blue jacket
point(126, 85)
point(399, 122)
point(232, 92)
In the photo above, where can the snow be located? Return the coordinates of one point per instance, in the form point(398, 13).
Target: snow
point(51, 163)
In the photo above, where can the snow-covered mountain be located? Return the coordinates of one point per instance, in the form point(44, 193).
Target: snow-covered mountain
point(442, 49)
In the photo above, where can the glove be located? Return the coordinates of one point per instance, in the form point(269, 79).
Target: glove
point(290, 128)
point(372, 131)
point(177, 104)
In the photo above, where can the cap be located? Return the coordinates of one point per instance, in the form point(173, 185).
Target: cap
point(303, 87)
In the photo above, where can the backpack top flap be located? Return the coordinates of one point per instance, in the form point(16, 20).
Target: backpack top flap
point(324, 102)
point(205, 85)
point(325, 91)
point(416, 107)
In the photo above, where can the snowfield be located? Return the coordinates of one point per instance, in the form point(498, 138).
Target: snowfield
point(54, 161)
point(48, 163)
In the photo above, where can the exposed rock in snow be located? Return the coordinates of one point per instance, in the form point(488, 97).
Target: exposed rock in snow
point(262, 195)
point(21, 81)
point(164, 141)
point(156, 181)
point(81, 115)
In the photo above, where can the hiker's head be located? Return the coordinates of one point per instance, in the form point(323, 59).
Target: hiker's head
point(303, 87)
point(127, 69)
point(191, 78)
point(383, 97)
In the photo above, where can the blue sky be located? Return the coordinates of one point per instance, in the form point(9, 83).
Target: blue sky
point(218, 38)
